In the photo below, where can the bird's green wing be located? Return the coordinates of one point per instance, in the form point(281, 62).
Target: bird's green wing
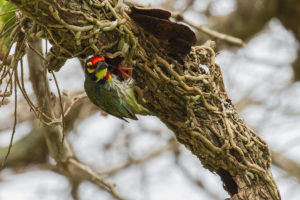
point(120, 105)
point(109, 100)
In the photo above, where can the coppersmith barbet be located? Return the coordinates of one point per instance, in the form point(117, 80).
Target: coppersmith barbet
point(110, 94)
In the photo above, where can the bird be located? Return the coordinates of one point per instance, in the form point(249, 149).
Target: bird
point(107, 92)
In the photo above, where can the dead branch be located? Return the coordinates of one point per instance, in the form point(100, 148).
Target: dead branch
point(171, 146)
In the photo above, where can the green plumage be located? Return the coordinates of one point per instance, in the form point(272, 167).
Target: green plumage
point(114, 97)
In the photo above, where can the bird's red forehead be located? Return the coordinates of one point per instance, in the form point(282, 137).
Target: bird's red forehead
point(96, 59)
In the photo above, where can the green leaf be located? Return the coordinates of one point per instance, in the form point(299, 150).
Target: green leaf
point(6, 22)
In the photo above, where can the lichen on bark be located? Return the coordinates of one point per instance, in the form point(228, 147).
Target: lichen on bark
point(188, 98)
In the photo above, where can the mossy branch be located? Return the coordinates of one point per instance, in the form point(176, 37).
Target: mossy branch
point(188, 99)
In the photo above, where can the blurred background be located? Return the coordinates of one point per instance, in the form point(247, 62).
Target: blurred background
point(142, 157)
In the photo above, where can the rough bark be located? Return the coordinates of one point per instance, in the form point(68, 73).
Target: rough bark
point(190, 101)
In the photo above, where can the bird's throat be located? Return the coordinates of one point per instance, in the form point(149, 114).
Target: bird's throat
point(108, 77)
point(101, 74)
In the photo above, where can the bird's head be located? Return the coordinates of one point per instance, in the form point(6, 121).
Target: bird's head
point(97, 69)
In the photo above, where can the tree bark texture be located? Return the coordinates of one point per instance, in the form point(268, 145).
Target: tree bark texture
point(190, 100)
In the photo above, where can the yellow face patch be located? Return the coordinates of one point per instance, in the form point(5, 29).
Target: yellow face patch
point(101, 74)
point(90, 70)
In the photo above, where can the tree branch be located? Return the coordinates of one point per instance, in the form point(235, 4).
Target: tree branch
point(65, 158)
point(188, 99)
point(289, 166)
point(245, 22)
point(29, 150)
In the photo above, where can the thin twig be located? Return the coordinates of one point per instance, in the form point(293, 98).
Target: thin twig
point(221, 36)
point(95, 178)
point(28, 100)
point(171, 146)
point(38, 53)
point(22, 73)
point(74, 100)
point(213, 33)
point(9, 29)
point(6, 23)
point(15, 121)
point(5, 13)
point(34, 108)
point(5, 93)
point(62, 112)
point(46, 47)
point(6, 55)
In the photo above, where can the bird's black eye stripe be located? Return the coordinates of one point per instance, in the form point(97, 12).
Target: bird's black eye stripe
point(101, 65)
